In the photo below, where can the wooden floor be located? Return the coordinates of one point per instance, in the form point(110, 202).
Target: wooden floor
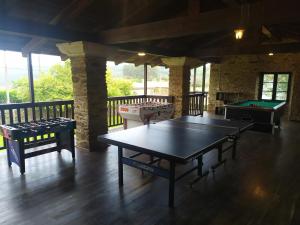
point(261, 187)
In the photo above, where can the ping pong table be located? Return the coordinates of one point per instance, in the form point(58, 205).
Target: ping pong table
point(178, 141)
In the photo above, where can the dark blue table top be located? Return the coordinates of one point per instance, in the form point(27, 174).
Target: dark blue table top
point(240, 125)
point(178, 139)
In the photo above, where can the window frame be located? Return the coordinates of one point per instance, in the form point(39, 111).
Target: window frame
point(194, 75)
point(275, 82)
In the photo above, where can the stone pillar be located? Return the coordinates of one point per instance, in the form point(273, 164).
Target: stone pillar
point(179, 82)
point(90, 93)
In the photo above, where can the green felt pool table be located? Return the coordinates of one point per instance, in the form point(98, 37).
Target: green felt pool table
point(265, 114)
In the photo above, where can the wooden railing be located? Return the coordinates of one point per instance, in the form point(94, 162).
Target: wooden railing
point(197, 103)
point(113, 117)
point(26, 112)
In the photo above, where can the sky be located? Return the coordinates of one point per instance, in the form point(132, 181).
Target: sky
point(13, 65)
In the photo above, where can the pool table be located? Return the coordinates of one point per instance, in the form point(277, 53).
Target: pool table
point(265, 114)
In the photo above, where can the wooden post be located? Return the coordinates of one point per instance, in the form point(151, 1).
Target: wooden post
point(145, 79)
point(194, 79)
point(203, 77)
point(30, 77)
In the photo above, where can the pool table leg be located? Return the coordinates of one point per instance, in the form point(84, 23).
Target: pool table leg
point(272, 122)
point(277, 121)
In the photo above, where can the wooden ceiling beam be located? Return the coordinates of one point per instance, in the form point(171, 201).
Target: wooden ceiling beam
point(145, 10)
point(230, 2)
point(270, 35)
point(266, 32)
point(265, 12)
point(76, 9)
point(165, 29)
point(71, 10)
point(27, 28)
point(247, 49)
point(32, 45)
point(137, 12)
point(193, 7)
point(151, 50)
point(214, 40)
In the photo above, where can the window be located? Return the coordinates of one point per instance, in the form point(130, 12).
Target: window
point(158, 80)
point(124, 79)
point(14, 85)
point(197, 77)
point(52, 78)
point(274, 86)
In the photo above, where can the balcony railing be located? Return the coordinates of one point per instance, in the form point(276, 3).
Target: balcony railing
point(25, 112)
point(197, 103)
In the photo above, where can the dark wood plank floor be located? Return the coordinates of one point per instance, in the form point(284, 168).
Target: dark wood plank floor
point(261, 187)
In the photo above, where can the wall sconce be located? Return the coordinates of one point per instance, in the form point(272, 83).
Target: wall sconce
point(239, 33)
point(244, 20)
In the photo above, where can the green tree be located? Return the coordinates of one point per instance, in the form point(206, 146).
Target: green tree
point(56, 84)
point(133, 73)
point(118, 86)
point(20, 91)
point(13, 97)
point(2, 96)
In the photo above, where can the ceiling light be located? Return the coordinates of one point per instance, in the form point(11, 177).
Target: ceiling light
point(141, 53)
point(239, 33)
point(271, 54)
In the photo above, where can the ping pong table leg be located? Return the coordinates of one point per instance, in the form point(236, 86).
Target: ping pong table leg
point(234, 148)
point(220, 158)
point(120, 165)
point(220, 153)
point(200, 165)
point(200, 172)
point(171, 183)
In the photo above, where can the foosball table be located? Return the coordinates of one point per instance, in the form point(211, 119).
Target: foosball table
point(53, 134)
point(144, 113)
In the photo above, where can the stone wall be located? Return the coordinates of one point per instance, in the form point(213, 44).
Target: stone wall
point(179, 84)
point(89, 85)
point(241, 74)
point(179, 81)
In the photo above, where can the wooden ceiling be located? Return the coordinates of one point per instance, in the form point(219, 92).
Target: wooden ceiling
point(196, 28)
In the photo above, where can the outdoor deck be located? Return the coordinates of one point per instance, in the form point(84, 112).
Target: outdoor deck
point(259, 188)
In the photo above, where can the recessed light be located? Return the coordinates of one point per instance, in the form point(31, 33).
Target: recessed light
point(141, 53)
